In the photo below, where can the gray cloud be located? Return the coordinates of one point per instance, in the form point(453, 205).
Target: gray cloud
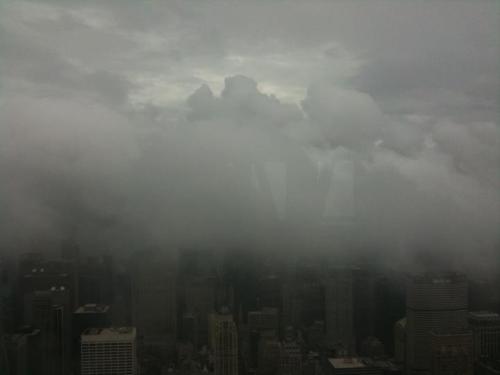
point(318, 128)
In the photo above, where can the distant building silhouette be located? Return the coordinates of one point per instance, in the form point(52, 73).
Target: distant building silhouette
point(339, 309)
point(154, 302)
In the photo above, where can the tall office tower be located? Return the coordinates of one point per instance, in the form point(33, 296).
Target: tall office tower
point(351, 366)
point(49, 311)
point(24, 352)
point(95, 280)
point(339, 309)
point(291, 304)
point(364, 311)
point(451, 353)
point(316, 336)
point(189, 328)
point(226, 344)
point(485, 326)
point(268, 356)
point(433, 302)
point(199, 299)
point(85, 317)
point(303, 296)
point(270, 294)
point(109, 351)
point(400, 341)
point(264, 320)
point(121, 310)
point(261, 323)
point(35, 273)
point(487, 367)
point(69, 249)
point(154, 302)
point(290, 354)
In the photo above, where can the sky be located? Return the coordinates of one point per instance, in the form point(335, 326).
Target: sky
point(285, 126)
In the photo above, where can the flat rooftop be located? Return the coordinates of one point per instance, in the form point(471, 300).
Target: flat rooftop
point(109, 334)
point(484, 315)
point(346, 362)
point(92, 308)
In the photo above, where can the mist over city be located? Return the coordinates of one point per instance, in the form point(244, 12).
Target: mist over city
point(247, 187)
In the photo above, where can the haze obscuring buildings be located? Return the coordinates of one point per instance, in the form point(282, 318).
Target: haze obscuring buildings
point(154, 302)
point(339, 309)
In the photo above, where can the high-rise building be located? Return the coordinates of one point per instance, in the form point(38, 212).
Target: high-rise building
point(451, 353)
point(24, 352)
point(290, 354)
point(350, 366)
point(109, 351)
point(485, 326)
point(433, 302)
point(339, 309)
point(487, 367)
point(199, 300)
point(268, 356)
point(189, 328)
point(154, 302)
point(264, 320)
point(263, 323)
point(49, 311)
point(270, 293)
point(87, 316)
point(226, 344)
point(400, 341)
point(95, 280)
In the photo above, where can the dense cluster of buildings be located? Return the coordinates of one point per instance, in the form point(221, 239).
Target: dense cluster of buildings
point(230, 313)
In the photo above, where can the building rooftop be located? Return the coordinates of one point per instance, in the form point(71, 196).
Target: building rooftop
point(109, 334)
point(92, 308)
point(439, 277)
point(346, 362)
point(484, 315)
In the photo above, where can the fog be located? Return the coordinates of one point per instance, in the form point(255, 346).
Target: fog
point(268, 126)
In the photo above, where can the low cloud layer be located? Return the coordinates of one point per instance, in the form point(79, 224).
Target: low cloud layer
point(120, 132)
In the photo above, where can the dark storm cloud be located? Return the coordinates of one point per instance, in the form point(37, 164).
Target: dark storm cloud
point(270, 125)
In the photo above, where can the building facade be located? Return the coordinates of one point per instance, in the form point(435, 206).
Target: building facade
point(433, 302)
point(226, 345)
point(485, 328)
point(451, 354)
point(109, 351)
point(339, 309)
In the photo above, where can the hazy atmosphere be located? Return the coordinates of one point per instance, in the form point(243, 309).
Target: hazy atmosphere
point(281, 126)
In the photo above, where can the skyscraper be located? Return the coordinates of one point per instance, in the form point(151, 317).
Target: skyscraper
point(49, 310)
point(226, 344)
point(451, 353)
point(485, 326)
point(339, 309)
point(434, 302)
point(109, 351)
point(85, 317)
point(290, 354)
point(154, 301)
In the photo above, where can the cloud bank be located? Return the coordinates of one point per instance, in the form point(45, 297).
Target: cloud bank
point(126, 131)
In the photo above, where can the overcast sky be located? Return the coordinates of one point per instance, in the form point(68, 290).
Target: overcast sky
point(271, 124)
